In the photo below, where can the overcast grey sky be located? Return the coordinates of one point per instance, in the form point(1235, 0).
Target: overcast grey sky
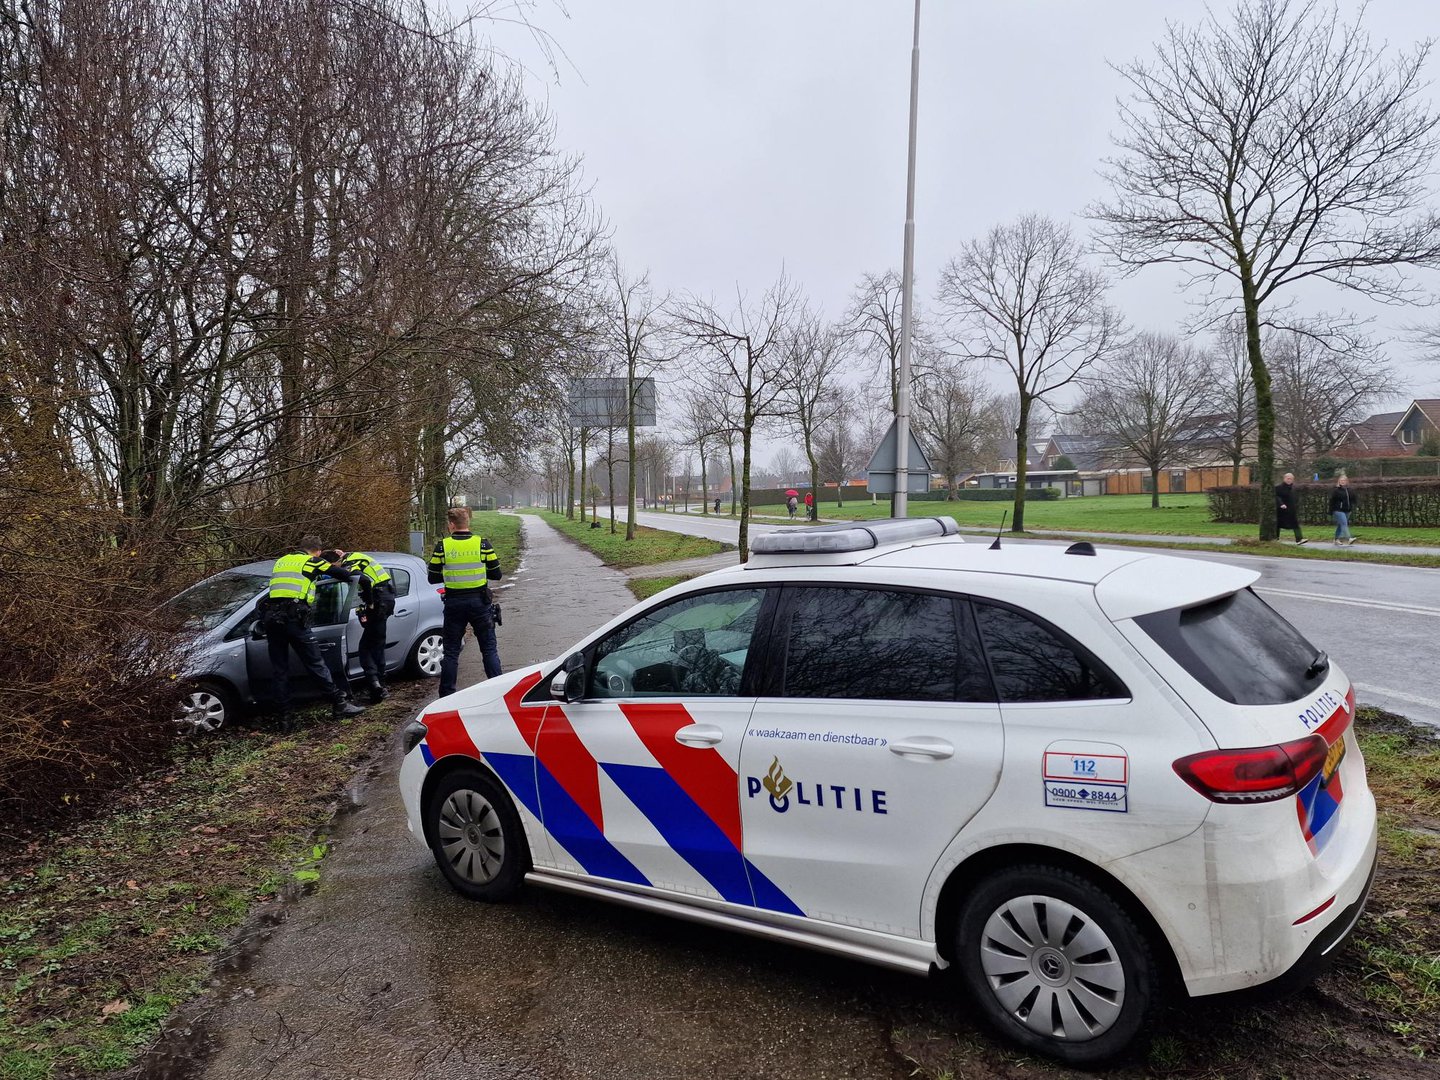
point(728, 137)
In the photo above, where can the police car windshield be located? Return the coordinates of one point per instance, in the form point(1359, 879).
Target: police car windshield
point(208, 604)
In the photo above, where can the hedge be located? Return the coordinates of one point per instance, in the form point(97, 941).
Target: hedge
point(1399, 503)
point(1003, 494)
point(1387, 467)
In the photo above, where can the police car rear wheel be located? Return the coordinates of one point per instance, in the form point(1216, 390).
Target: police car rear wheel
point(426, 654)
point(476, 836)
point(1056, 964)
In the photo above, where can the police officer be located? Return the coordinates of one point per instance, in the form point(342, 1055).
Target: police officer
point(377, 604)
point(466, 563)
point(288, 616)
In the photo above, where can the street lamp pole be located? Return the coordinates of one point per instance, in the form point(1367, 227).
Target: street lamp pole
point(907, 289)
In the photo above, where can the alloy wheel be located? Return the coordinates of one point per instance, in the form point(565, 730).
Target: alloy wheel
point(201, 711)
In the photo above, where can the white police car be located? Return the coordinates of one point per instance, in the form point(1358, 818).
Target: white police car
point(1079, 777)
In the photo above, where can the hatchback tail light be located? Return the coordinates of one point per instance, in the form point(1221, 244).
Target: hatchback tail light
point(1255, 774)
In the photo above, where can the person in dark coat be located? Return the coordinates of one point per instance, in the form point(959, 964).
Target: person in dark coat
point(1342, 505)
point(1287, 510)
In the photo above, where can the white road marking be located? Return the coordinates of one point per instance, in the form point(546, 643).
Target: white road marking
point(1350, 601)
point(1401, 695)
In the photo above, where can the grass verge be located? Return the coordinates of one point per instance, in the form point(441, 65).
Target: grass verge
point(1375, 1014)
point(107, 927)
point(503, 532)
point(644, 588)
point(1178, 515)
point(650, 546)
point(1240, 547)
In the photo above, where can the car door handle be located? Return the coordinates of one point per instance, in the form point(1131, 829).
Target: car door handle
point(699, 735)
point(403, 611)
point(926, 746)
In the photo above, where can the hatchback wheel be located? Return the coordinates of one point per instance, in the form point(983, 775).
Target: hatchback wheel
point(1056, 964)
point(476, 836)
point(426, 654)
point(207, 708)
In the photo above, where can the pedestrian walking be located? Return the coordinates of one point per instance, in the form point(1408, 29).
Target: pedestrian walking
point(466, 564)
point(792, 505)
point(1287, 510)
point(1342, 505)
point(717, 504)
point(288, 618)
point(377, 604)
point(810, 505)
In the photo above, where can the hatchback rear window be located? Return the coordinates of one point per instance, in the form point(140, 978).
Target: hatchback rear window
point(1239, 648)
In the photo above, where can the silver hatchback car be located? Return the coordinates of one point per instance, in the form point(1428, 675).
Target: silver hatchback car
point(228, 665)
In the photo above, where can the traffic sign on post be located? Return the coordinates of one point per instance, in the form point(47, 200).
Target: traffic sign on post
point(882, 466)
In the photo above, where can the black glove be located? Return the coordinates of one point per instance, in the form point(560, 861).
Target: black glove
point(495, 614)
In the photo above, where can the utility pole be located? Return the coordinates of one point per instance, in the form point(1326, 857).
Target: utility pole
point(907, 289)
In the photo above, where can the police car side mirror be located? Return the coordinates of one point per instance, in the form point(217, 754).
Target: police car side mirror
point(257, 631)
point(569, 682)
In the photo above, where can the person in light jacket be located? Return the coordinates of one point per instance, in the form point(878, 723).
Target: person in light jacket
point(1342, 505)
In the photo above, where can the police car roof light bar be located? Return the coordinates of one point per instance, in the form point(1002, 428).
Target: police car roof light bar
point(832, 539)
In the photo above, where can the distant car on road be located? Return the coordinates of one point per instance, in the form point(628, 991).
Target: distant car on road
point(229, 665)
point(1080, 778)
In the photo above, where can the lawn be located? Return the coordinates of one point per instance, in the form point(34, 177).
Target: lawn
point(1178, 515)
point(503, 532)
point(649, 548)
point(644, 588)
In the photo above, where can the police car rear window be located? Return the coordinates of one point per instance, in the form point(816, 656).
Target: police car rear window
point(1239, 648)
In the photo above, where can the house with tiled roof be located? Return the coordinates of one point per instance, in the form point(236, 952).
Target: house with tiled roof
point(1391, 434)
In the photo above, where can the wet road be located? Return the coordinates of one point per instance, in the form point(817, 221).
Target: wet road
point(1379, 623)
point(385, 973)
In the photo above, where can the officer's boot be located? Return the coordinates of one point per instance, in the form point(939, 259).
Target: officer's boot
point(345, 707)
point(284, 721)
point(378, 693)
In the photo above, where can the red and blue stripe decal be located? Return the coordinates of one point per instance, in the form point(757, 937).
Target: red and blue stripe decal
point(691, 799)
point(1318, 802)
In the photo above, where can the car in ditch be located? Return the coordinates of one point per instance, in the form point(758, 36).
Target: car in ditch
point(1082, 779)
point(228, 662)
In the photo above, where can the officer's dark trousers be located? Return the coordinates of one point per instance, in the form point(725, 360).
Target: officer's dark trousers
point(372, 638)
point(290, 630)
point(462, 611)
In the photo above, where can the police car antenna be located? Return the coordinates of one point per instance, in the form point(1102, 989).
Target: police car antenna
point(995, 544)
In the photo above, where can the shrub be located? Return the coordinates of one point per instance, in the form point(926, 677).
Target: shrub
point(1006, 494)
point(1397, 503)
point(90, 683)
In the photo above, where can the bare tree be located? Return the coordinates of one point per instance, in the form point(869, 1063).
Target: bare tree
point(843, 452)
point(744, 349)
point(1320, 390)
point(955, 417)
point(815, 357)
point(634, 329)
point(1277, 147)
point(1146, 400)
point(1023, 297)
point(1232, 396)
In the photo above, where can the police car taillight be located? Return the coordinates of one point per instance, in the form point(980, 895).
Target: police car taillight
point(1255, 774)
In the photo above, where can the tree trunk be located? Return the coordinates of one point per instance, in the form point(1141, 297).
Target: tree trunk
point(584, 441)
point(814, 483)
point(704, 484)
point(1154, 489)
point(745, 486)
point(734, 486)
point(1022, 440)
point(1264, 404)
point(630, 467)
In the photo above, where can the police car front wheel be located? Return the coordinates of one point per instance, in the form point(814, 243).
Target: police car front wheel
point(476, 837)
point(1056, 964)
